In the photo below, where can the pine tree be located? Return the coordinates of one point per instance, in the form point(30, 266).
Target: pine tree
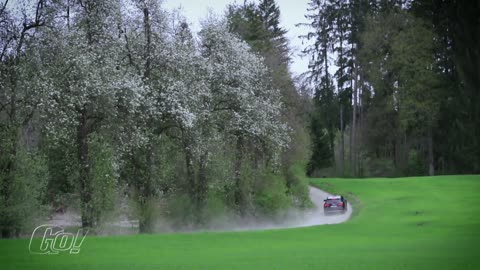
point(270, 16)
point(324, 97)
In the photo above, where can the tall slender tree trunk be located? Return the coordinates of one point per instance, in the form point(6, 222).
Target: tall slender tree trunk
point(190, 172)
point(191, 179)
point(8, 226)
point(328, 94)
point(8, 158)
point(202, 188)
point(147, 194)
point(239, 196)
point(354, 122)
point(342, 130)
point(83, 131)
point(148, 40)
point(342, 142)
point(147, 189)
point(325, 60)
point(358, 129)
point(68, 14)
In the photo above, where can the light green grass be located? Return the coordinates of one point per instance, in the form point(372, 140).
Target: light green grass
point(403, 223)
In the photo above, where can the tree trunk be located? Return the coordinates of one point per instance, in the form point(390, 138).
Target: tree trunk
point(83, 132)
point(145, 224)
point(147, 194)
point(201, 188)
point(239, 196)
point(342, 142)
point(190, 172)
point(8, 157)
point(358, 128)
point(8, 226)
point(325, 60)
point(354, 123)
point(68, 14)
point(342, 130)
point(148, 39)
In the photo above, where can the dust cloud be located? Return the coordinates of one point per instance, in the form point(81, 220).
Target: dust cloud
point(292, 218)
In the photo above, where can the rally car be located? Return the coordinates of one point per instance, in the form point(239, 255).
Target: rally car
point(335, 204)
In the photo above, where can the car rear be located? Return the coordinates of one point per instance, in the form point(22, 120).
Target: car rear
point(331, 206)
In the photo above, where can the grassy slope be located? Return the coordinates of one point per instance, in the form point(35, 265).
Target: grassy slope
point(405, 223)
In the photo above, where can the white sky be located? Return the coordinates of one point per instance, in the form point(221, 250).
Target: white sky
point(292, 12)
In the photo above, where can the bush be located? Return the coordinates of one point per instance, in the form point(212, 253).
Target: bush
point(22, 206)
point(298, 190)
point(271, 197)
point(415, 165)
point(63, 173)
point(180, 211)
point(104, 175)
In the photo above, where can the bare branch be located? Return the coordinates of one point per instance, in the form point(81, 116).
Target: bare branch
point(38, 22)
point(4, 106)
point(4, 49)
point(4, 6)
point(129, 54)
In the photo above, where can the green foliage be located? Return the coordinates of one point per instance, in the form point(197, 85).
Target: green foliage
point(408, 66)
point(104, 175)
point(148, 211)
point(259, 26)
point(216, 211)
point(322, 153)
point(297, 190)
point(247, 22)
point(180, 210)
point(416, 165)
point(413, 60)
point(271, 196)
point(63, 173)
point(457, 56)
point(142, 174)
point(270, 16)
point(397, 57)
point(22, 205)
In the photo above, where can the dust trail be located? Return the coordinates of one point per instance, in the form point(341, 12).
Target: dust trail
point(292, 218)
point(296, 218)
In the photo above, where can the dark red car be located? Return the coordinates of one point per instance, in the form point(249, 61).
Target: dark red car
point(335, 204)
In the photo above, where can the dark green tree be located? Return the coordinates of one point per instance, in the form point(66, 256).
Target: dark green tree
point(326, 110)
point(270, 15)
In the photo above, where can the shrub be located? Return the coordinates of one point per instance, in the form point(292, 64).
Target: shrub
point(416, 164)
point(271, 197)
point(104, 175)
point(22, 206)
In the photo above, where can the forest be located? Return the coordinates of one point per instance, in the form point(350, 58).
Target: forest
point(403, 97)
point(105, 103)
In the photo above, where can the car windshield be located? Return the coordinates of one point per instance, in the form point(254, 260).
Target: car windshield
point(333, 201)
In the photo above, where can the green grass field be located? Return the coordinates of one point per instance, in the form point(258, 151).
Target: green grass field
point(403, 223)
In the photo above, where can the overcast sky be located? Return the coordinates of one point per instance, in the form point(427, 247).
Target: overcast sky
point(292, 12)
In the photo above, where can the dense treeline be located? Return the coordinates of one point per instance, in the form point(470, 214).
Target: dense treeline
point(402, 97)
point(106, 100)
point(106, 103)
